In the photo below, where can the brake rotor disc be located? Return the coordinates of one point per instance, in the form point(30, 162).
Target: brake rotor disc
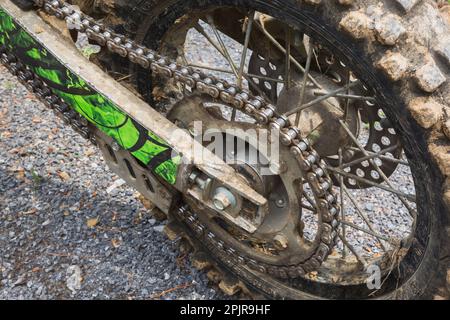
point(266, 70)
point(377, 133)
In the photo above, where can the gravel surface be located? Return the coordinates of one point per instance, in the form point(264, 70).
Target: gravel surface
point(52, 189)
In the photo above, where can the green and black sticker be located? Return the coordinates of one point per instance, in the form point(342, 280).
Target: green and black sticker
point(148, 148)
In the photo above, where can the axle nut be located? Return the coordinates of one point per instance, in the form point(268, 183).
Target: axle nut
point(223, 199)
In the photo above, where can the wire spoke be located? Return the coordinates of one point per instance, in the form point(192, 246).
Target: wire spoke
point(222, 45)
point(228, 71)
point(410, 197)
point(203, 32)
point(323, 98)
point(248, 33)
point(206, 67)
point(288, 59)
point(305, 80)
point(386, 158)
point(341, 186)
point(283, 50)
point(369, 232)
point(348, 96)
point(347, 100)
point(221, 48)
point(361, 213)
point(371, 155)
point(353, 250)
point(377, 168)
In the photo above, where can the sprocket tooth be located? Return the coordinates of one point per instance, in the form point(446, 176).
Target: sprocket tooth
point(200, 261)
point(173, 231)
point(230, 286)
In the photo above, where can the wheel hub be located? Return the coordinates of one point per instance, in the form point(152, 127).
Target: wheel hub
point(321, 121)
point(278, 242)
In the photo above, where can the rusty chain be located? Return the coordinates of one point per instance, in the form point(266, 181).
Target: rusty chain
point(265, 113)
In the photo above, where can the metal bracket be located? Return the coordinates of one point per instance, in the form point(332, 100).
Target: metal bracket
point(183, 144)
point(122, 163)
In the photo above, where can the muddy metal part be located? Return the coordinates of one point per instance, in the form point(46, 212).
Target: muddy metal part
point(320, 123)
point(228, 26)
point(110, 10)
point(182, 143)
point(300, 148)
point(320, 120)
point(122, 163)
point(248, 160)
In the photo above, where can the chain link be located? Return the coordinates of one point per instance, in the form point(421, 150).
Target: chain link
point(265, 113)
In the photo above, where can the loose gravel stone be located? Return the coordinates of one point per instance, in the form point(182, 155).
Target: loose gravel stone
point(74, 279)
point(43, 229)
point(158, 228)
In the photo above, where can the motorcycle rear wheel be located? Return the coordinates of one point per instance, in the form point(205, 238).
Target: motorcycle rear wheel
point(345, 31)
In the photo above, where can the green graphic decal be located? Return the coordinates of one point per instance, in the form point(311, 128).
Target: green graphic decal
point(144, 145)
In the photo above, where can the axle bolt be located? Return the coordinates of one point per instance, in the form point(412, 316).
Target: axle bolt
point(223, 199)
point(280, 203)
